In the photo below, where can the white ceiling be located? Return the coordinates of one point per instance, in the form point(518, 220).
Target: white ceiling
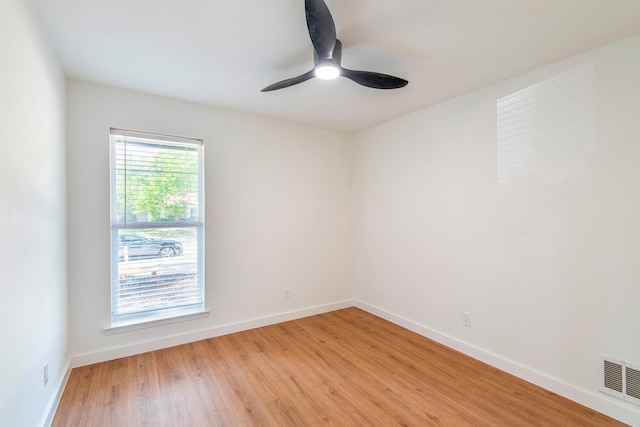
point(221, 53)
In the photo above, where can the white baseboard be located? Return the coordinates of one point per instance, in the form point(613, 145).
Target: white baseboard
point(55, 400)
point(591, 399)
point(130, 350)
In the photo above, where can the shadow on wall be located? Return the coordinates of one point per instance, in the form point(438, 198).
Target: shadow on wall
point(546, 132)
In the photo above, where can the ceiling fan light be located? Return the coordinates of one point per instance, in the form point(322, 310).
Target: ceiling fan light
point(327, 72)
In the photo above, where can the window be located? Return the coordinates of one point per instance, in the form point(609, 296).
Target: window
point(157, 227)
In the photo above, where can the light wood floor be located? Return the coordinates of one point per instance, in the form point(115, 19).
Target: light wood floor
point(345, 368)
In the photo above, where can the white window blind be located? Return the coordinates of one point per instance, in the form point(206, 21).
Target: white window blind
point(157, 226)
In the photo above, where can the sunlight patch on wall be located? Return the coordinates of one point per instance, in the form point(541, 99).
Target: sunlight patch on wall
point(546, 131)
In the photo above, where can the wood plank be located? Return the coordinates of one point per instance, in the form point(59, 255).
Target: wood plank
point(343, 368)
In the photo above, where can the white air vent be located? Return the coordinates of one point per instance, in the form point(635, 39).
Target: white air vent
point(621, 379)
point(632, 381)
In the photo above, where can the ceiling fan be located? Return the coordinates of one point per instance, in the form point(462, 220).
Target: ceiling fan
point(327, 55)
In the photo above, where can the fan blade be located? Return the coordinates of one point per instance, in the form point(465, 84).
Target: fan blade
point(322, 29)
point(337, 52)
point(374, 80)
point(290, 82)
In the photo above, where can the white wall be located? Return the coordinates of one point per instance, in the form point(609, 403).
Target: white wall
point(33, 260)
point(278, 211)
point(550, 271)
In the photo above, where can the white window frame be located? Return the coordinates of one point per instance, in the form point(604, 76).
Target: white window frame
point(158, 315)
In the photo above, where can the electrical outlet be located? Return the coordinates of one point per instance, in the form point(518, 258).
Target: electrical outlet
point(287, 293)
point(45, 373)
point(466, 319)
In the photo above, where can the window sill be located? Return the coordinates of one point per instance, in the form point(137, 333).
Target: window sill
point(153, 321)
